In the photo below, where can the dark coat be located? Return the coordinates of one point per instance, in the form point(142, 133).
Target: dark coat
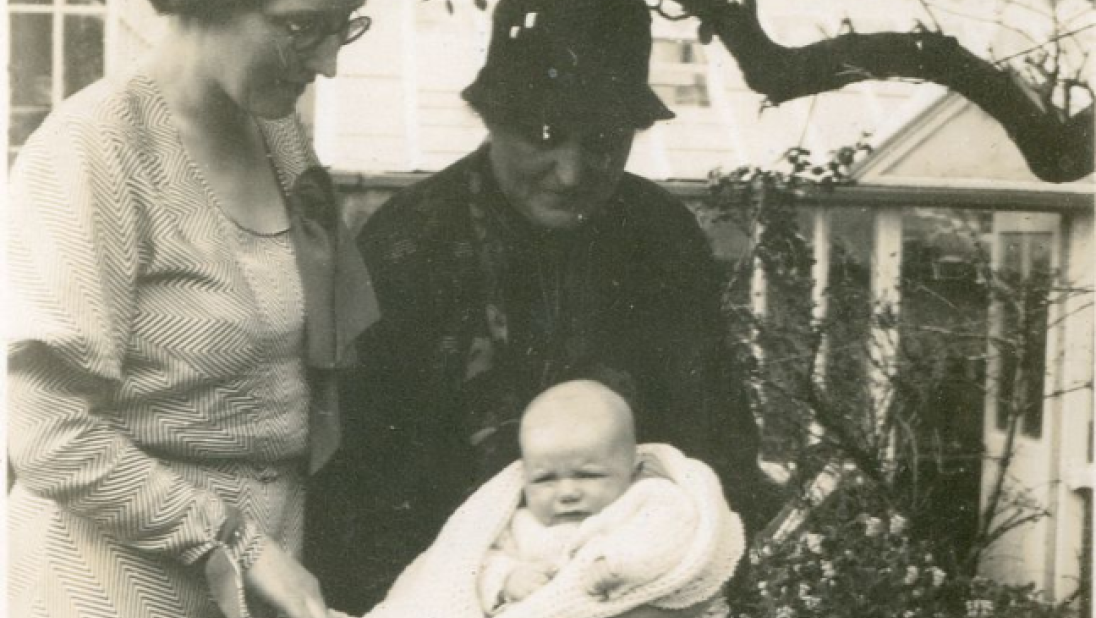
point(633, 298)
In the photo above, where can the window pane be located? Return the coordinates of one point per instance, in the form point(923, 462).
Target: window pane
point(777, 336)
point(1038, 290)
point(1025, 270)
point(1040, 254)
point(28, 2)
point(663, 50)
point(1013, 264)
point(784, 337)
point(23, 123)
point(31, 65)
point(678, 73)
point(944, 256)
point(850, 307)
point(695, 94)
point(692, 52)
point(83, 51)
point(87, 2)
point(1012, 270)
point(666, 93)
point(942, 361)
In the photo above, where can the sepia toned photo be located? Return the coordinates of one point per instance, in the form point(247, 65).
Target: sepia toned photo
point(549, 308)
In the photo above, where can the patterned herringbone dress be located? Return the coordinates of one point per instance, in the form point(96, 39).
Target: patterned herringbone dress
point(155, 372)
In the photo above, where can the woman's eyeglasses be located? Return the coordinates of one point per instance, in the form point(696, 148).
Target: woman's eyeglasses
point(306, 32)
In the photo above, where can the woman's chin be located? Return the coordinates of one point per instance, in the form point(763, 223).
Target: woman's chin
point(561, 218)
point(274, 107)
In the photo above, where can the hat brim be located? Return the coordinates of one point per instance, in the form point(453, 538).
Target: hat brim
point(599, 104)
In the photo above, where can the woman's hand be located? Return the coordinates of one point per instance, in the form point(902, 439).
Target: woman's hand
point(282, 582)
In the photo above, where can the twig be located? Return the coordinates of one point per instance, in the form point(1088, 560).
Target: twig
point(932, 16)
point(1044, 43)
point(995, 21)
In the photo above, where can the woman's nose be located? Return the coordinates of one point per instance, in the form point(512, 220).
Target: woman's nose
point(324, 59)
point(570, 163)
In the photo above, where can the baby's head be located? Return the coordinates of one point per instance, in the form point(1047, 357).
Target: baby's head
point(578, 447)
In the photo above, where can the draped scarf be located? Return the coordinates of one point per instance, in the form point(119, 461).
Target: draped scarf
point(339, 301)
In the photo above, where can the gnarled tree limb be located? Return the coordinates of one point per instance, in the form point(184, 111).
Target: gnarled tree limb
point(1056, 148)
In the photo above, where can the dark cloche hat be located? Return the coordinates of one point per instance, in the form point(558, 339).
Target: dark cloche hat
point(568, 62)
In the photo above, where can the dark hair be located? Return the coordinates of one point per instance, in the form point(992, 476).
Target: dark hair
point(205, 10)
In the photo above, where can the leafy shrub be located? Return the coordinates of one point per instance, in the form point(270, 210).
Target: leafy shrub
point(854, 558)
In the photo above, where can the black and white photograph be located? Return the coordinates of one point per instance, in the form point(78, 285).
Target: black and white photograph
point(549, 308)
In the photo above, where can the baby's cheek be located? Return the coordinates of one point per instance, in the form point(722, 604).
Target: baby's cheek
point(539, 503)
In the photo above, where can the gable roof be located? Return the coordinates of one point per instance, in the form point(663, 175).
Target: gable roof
point(952, 143)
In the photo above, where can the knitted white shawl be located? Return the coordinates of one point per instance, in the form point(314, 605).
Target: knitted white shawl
point(442, 581)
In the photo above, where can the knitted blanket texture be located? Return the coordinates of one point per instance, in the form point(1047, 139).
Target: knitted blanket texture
point(442, 581)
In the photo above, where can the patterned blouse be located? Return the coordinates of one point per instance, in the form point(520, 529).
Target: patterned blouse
point(154, 372)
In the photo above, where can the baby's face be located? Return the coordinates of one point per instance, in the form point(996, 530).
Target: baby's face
point(569, 477)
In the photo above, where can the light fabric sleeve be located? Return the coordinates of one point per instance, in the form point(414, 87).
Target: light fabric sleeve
point(524, 542)
point(497, 566)
point(75, 252)
point(641, 536)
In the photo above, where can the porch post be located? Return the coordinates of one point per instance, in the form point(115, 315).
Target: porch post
point(886, 272)
point(1070, 414)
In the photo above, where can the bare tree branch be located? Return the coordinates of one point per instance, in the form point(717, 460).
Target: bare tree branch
point(1056, 148)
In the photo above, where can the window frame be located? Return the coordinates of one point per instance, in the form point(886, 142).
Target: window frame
point(687, 72)
point(58, 10)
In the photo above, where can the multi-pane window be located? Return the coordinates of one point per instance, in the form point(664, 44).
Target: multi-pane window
point(57, 48)
point(679, 72)
point(963, 323)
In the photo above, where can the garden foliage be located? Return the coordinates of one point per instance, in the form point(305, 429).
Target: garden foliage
point(872, 396)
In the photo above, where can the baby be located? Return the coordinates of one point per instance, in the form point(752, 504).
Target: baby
point(586, 525)
point(585, 488)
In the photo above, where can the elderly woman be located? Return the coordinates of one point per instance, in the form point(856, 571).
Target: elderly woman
point(530, 261)
point(172, 259)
